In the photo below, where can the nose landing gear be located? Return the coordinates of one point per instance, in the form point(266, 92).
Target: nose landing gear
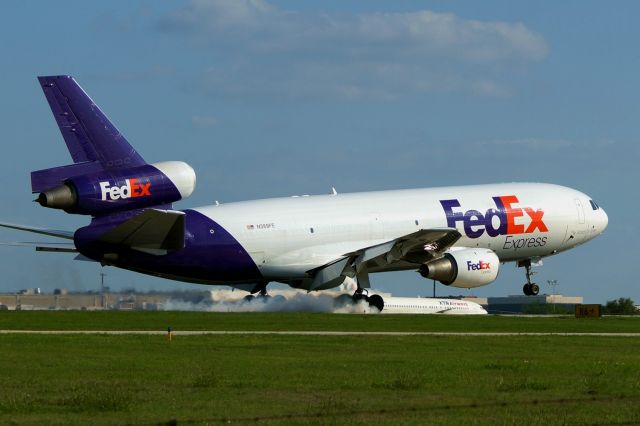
point(529, 289)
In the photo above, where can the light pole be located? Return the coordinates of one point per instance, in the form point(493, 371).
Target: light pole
point(553, 284)
point(104, 302)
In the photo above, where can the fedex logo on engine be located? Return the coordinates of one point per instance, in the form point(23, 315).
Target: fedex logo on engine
point(131, 189)
point(481, 265)
point(506, 219)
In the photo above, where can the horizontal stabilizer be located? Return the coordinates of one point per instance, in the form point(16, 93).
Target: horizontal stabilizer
point(152, 231)
point(52, 247)
point(50, 232)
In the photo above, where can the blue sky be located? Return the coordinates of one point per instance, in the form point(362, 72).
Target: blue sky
point(274, 98)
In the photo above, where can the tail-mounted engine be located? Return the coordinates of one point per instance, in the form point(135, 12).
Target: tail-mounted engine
point(114, 190)
point(466, 268)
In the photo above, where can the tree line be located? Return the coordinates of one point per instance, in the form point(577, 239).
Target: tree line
point(621, 306)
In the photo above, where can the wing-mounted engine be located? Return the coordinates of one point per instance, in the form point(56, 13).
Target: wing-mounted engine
point(113, 190)
point(465, 268)
point(411, 249)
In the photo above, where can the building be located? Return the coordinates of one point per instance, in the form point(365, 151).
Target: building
point(541, 304)
point(84, 301)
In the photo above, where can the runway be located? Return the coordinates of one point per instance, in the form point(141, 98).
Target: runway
point(317, 333)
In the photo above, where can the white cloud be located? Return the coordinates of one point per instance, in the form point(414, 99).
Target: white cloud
point(423, 32)
point(262, 49)
point(218, 16)
point(431, 33)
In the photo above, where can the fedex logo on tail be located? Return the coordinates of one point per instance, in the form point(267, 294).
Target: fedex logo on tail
point(506, 219)
point(131, 189)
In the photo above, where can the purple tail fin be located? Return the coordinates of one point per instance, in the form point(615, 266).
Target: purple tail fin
point(93, 141)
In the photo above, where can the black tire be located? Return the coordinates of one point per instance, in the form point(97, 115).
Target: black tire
point(376, 301)
point(279, 298)
point(249, 298)
point(359, 296)
point(526, 289)
point(534, 289)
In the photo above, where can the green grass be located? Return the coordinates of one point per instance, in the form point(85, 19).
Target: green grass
point(137, 379)
point(138, 320)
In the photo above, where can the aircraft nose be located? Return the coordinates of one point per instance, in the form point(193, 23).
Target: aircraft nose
point(603, 220)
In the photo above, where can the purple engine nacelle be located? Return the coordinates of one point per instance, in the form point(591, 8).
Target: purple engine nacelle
point(115, 190)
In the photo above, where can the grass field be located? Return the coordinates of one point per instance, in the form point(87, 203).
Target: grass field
point(141, 320)
point(139, 379)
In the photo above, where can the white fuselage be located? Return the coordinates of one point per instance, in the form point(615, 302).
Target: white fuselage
point(286, 237)
point(420, 305)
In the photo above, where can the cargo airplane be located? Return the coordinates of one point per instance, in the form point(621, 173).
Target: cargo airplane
point(458, 236)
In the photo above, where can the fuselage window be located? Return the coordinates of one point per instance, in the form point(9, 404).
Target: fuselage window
point(594, 206)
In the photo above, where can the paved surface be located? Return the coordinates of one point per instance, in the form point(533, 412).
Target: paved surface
point(315, 333)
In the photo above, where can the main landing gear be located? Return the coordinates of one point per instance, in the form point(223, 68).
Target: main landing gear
point(262, 294)
point(529, 289)
point(374, 300)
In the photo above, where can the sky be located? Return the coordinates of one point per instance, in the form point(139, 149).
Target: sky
point(276, 98)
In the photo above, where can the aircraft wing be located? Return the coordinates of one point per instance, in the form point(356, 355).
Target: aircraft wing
point(50, 232)
point(152, 231)
point(415, 248)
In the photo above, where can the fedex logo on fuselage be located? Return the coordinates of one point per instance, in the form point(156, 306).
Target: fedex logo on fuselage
point(131, 189)
point(506, 219)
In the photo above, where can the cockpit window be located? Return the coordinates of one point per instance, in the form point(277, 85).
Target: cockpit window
point(594, 206)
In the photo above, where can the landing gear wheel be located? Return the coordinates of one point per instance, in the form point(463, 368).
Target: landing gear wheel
point(278, 298)
point(249, 298)
point(360, 295)
point(376, 301)
point(263, 291)
point(529, 289)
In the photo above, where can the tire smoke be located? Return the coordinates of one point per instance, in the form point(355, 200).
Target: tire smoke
point(277, 301)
